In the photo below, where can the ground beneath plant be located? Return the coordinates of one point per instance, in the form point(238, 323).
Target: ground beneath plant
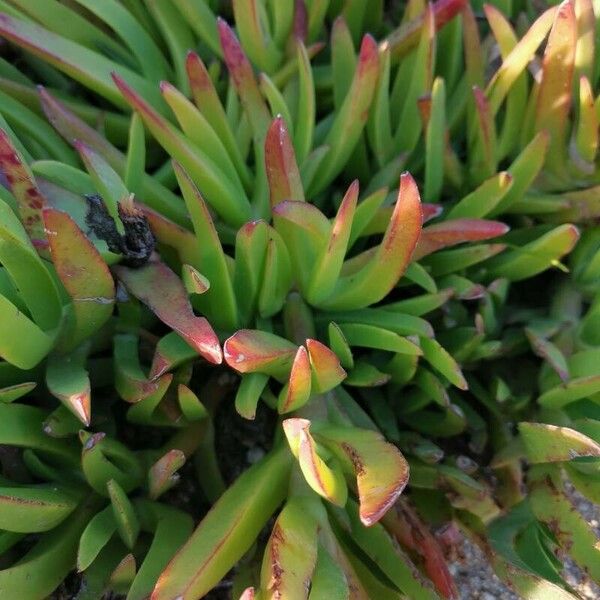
point(476, 580)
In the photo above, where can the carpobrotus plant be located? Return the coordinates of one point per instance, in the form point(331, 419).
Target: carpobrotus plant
point(358, 245)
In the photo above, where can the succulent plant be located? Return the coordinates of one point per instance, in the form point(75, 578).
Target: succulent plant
point(259, 208)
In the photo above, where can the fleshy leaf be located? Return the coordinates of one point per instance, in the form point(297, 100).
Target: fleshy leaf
point(84, 274)
point(549, 443)
point(326, 480)
point(381, 471)
point(38, 508)
point(162, 475)
point(22, 184)
point(329, 264)
point(249, 351)
point(159, 288)
point(68, 381)
point(297, 390)
point(280, 162)
point(226, 198)
point(291, 552)
point(389, 260)
point(326, 369)
point(456, 231)
point(351, 119)
point(227, 531)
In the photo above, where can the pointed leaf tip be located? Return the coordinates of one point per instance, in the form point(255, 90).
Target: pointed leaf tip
point(281, 166)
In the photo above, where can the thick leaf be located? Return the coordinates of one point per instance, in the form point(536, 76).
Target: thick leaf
point(442, 361)
point(199, 130)
point(514, 64)
point(291, 552)
point(403, 522)
point(28, 273)
point(422, 68)
point(23, 426)
point(104, 459)
point(127, 522)
point(554, 93)
point(328, 580)
point(551, 505)
point(208, 255)
point(14, 392)
point(406, 37)
point(329, 263)
point(305, 230)
point(243, 78)
point(297, 390)
point(325, 365)
point(84, 274)
point(95, 537)
point(163, 475)
point(163, 292)
point(170, 528)
point(207, 100)
point(226, 198)
point(50, 560)
point(22, 342)
point(456, 231)
point(281, 166)
point(484, 199)
point(368, 336)
point(534, 257)
point(227, 531)
point(549, 443)
point(22, 184)
point(68, 380)
point(249, 351)
point(255, 39)
point(249, 393)
point(250, 252)
point(86, 66)
point(350, 120)
point(381, 471)
point(304, 124)
point(389, 260)
point(575, 389)
point(35, 508)
point(171, 352)
point(326, 480)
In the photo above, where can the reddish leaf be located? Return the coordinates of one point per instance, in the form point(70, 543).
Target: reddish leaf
point(162, 475)
point(84, 274)
point(326, 369)
point(281, 166)
point(241, 71)
point(297, 391)
point(406, 526)
point(554, 95)
point(389, 260)
point(457, 231)
point(407, 35)
point(381, 471)
point(72, 128)
point(23, 186)
point(225, 196)
point(249, 351)
point(163, 292)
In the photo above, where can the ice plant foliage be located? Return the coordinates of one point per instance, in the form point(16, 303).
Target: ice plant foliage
point(369, 238)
